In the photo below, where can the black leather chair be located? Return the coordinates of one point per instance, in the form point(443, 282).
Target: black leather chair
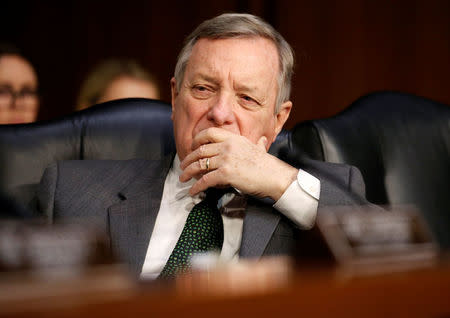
point(122, 129)
point(401, 144)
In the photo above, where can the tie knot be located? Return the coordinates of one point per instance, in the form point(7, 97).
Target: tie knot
point(214, 194)
point(228, 201)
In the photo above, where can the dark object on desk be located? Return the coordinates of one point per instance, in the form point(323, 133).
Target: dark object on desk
point(9, 209)
point(60, 249)
point(363, 240)
point(401, 145)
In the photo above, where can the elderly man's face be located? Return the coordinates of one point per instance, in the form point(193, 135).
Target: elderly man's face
point(230, 84)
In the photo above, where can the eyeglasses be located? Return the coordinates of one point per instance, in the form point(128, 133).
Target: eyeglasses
point(25, 98)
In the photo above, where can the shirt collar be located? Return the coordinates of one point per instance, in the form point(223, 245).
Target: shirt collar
point(180, 189)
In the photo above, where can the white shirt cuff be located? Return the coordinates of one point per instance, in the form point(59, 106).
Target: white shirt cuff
point(300, 200)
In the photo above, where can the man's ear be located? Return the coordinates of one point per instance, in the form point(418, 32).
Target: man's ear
point(282, 116)
point(174, 93)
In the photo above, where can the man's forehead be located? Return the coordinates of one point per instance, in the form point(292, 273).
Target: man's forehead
point(245, 54)
point(255, 41)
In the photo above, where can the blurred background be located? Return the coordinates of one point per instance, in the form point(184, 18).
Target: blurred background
point(344, 48)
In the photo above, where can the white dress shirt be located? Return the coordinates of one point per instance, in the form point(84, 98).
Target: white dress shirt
point(176, 203)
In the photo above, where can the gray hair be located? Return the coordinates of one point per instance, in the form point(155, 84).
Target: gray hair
point(233, 25)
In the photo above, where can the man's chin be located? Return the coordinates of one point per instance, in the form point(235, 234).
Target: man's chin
point(182, 152)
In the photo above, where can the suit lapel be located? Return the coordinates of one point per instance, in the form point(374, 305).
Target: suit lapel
point(131, 221)
point(260, 222)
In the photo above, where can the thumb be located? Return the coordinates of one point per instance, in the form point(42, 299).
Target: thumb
point(262, 143)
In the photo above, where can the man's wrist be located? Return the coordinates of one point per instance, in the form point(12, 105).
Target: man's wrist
point(300, 200)
point(284, 178)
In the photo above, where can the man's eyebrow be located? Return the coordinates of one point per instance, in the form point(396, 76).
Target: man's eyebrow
point(247, 88)
point(207, 78)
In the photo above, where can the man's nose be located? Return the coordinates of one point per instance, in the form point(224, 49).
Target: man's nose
point(221, 112)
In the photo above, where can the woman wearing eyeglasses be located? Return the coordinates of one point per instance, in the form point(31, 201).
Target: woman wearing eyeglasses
point(19, 101)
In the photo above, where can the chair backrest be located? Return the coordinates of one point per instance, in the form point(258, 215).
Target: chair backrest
point(401, 144)
point(121, 129)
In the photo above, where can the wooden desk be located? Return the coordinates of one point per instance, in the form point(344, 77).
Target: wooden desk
point(310, 293)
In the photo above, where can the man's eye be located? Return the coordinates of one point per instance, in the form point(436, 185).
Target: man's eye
point(200, 88)
point(249, 100)
point(201, 91)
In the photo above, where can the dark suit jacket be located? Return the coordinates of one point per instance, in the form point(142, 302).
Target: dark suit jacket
point(124, 197)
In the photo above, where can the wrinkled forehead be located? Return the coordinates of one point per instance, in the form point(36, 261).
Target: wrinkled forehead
point(258, 43)
point(246, 56)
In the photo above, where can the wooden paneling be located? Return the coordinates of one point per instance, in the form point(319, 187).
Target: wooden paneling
point(348, 48)
point(344, 48)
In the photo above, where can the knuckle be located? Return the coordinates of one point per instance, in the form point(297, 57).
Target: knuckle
point(228, 145)
point(187, 172)
point(209, 131)
point(227, 156)
point(199, 164)
point(201, 150)
point(204, 179)
point(225, 170)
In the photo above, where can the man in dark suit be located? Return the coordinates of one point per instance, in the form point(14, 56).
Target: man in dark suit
point(230, 99)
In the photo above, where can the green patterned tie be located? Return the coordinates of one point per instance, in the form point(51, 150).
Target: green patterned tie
point(202, 232)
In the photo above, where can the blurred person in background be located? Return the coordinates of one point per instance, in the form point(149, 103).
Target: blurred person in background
point(19, 101)
point(115, 79)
